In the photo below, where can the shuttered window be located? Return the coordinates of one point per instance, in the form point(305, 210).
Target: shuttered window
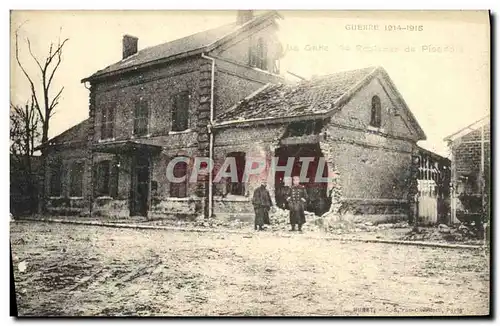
point(141, 118)
point(107, 122)
point(376, 116)
point(76, 179)
point(258, 55)
point(180, 111)
point(106, 178)
point(55, 179)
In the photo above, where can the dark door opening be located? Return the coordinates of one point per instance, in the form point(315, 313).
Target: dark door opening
point(140, 185)
point(319, 203)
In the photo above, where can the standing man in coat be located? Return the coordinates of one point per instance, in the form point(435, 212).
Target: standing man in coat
point(297, 201)
point(262, 204)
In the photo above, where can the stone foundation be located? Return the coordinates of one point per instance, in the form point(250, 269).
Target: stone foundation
point(109, 207)
point(67, 206)
point(232, 208)
point(173, 208)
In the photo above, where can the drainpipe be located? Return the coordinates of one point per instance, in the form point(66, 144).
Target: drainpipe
point(211, 137)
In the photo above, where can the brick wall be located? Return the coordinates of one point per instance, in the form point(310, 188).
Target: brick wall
point(373, 163)
point(65, 204)
point(466, 153)
point(237, 49)
point(395, 120)
point(256, 142)
point(156, 86)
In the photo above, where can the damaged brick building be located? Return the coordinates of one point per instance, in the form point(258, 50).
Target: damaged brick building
point(220, 94)
point(471, 170)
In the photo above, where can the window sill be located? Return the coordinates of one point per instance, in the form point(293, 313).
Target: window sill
point(104, 197)
point(182, 199)
point(180, 132)
point(140, 136)
point(375, 129)
point(235, 198)
point(75, 197)
point(106, 140)
point(56, 197)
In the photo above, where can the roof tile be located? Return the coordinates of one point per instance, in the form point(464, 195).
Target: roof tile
point(307, 97)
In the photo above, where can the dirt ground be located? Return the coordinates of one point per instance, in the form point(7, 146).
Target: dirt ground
point(63, 269)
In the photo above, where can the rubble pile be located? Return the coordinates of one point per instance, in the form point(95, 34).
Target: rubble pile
point(210, 222)
point(443, 232)
point(279, 216)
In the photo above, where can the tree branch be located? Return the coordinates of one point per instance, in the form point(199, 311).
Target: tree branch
point(32, 85)
point(33, 56)
point(59, 53)
point(55, 100)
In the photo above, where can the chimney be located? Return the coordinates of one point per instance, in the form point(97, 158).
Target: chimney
point(244, 16)
point(129, 45)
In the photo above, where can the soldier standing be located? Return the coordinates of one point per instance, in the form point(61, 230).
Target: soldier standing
point(297, 201)
point(262, 203)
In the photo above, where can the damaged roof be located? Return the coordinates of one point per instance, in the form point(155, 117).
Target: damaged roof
point(304, 98)
point(189, 45)
point(310, 99)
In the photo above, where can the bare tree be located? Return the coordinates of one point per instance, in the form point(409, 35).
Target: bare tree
point(47, 67)
point(24, 129)
point(24, 134)
point(44, 102)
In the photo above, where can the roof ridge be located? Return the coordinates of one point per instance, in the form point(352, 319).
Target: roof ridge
point(468, 127)
point(219, 33)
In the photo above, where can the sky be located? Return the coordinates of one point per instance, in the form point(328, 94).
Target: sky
point(439, 61)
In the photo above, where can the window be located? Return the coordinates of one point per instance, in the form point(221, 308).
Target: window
point(376, 116)
point(141, 118)
point(55, 179)
point(179, 189)
point(258, 55)
point(237, 188)
point(180, 111)
point(107, 122)
point(106, 178)
point(102, 178)
point(76, 179)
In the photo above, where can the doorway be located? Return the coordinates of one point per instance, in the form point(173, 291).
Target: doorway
point(140, 185)
point(318, 202)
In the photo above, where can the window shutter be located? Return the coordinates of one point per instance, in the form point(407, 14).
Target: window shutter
point(111, 122)
point(174, 113)
point(113, 179)
point(180, 111)
point(95, 171)
point(184, 110)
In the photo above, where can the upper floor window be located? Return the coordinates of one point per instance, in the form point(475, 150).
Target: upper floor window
point(55, 180)
point(376, 116)
point(258, 55)
point(107, 122)
point(141, 118)
point(180, 111)
point(76, 179)
point(179, 189)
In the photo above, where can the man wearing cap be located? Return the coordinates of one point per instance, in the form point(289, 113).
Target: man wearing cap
point(297, 201)
point(262, 204)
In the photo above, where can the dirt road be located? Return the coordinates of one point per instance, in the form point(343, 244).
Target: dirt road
point(86, 270)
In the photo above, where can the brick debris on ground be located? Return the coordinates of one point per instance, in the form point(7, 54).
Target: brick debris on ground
point(63, 269)
point(347, 227)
